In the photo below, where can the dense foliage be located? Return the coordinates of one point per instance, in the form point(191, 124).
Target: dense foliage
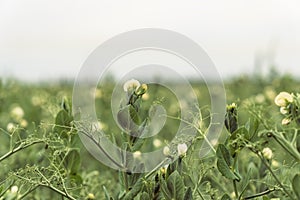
point(256, 157)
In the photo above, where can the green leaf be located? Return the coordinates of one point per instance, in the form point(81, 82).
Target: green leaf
point(121, 180)
point(175, 186)
point(296, 185)
point(144, 196)
point(76, 178)
point(188, 194)
point(224, 162)
point(254, 127)
point(265, 198)
point(225, 197)
point(128, 118)
point(63, 120)
point(223, 154)
point(135, 190)
point(72, 161)
point(243, 132)
point(107, 196)
point(225, 170)
point(165, 190)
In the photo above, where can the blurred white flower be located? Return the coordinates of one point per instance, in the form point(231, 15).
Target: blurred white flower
point(10, 127)
point(267, 153)
point(232, 195)
point(37, 100)
point(285, 121)
point(270, 93)
point(23, 123)
point(102, 125)
point(131, 85)
point(182, 149)
point(137, 154)
point(283, 110)
point(17, 113)
point(98, 93)
point(166, 151)
point(260, 98)
point(214, 142)
point(283, 98)
point(91, 196)
point(275, 163)
point(157, 143)
point(14, 189)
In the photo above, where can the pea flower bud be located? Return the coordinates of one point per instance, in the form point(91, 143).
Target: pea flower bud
point(231, 118)
point(142, 89)
point(166, 151)
point(267, 153)
point(285, 121)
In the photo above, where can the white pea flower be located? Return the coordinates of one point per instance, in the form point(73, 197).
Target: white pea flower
point(275, 163)
point(285, 121)
point(14, 189)
point(131, 85)
point(137, 154)
point(267, 153)
point(166, 151)
point(10, 127)
point(17, 113)
point(283, 110)
point(182, 149)
point(157, 143)
point(283, 98)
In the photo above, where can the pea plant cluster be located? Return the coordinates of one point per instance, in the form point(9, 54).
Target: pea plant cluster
point(256, 157)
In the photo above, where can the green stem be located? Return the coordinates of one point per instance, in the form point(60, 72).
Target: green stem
point(235, 188)
point(234, 181)
point(126, 181)
point(20, 147)
point(58, 191)
point(260, 194)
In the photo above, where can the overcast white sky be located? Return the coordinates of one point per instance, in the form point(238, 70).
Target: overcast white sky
point(51, 38)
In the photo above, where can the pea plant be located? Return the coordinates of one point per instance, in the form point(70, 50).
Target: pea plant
point(256, 157)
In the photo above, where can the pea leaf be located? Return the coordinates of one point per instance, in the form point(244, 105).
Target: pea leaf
point(135, 190)
point(175, 185)
point(188, 194)
point(296, 185)
point(62, 121)
point(72, 161)
point(225, 197)
point(128, 118)
point(144, 196)
point(224, 162)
